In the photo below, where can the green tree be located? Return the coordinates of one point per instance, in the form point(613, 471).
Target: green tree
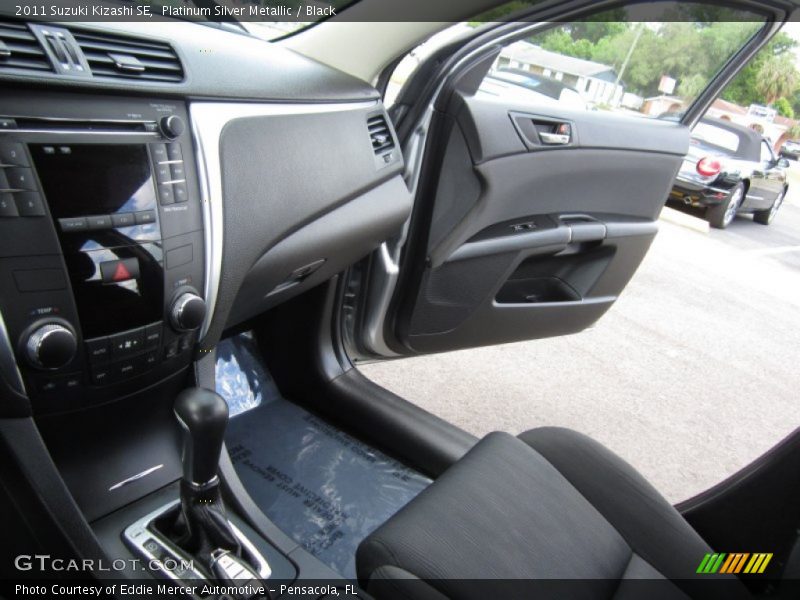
point(777, 77)
point(784, 108)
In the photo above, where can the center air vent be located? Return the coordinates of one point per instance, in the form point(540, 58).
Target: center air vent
point(19, 48)
point(117, 56)
point(380, 134)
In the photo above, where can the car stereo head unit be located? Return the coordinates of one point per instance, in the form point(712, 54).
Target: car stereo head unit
point(101, 248)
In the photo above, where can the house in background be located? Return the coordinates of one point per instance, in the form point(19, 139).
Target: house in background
point(595, 81)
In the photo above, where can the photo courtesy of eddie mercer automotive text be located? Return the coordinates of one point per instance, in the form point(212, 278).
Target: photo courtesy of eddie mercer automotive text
point(400, 300)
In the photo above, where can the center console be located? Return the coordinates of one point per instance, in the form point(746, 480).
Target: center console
point(101, 245)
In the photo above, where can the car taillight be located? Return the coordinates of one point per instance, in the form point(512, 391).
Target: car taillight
point(708, 166)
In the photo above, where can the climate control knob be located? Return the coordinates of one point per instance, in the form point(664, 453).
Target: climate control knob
point(188, 312)
point(51, 346)
point(172, 126)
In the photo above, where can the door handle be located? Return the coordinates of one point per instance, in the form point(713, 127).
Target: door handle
point(554, 139)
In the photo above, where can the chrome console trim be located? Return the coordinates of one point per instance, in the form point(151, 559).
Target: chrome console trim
point(9, 371)
point(208, 119)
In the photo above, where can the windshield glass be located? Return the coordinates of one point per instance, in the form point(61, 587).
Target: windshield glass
point(716, 136)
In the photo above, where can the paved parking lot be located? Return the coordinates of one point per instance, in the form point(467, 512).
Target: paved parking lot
point(691, 375)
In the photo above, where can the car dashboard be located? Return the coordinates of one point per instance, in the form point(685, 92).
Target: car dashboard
point(159, 189)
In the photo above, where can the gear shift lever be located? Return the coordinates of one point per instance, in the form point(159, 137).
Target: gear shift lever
point(204, 416)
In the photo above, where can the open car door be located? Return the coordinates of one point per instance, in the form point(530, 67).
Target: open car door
point(531, 215)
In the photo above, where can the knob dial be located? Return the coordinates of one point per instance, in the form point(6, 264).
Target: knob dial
point(172, 126)
point(188, 312)
point(51, 346)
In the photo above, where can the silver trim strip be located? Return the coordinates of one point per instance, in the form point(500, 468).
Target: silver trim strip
point(133, 478)
point(80, 132)
point(9, 370)
point(208, 120)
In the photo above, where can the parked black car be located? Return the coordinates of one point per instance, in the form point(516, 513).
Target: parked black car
point(731, 169)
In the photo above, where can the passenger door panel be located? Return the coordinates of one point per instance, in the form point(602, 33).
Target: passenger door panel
point(531, 239)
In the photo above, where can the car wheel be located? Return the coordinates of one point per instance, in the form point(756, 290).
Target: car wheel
point(723, 214)
point(764, 217)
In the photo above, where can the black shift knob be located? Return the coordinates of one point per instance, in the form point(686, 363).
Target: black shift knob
point(203, 415)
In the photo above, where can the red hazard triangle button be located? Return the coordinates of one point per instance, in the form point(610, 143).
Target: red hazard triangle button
point(121, 273)
point(116, 271)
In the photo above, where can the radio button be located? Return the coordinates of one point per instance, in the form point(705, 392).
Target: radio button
point(159, 153)
point(99, 222)
point(8, 207)
point(4, 185)
point(127, 343)
point(29, 204)
point(6, 123)
point(162, 173)
point(73, 224)
point(98, 350)
point(174, 151)
point(180, 191)
point(144, 217)
point(20, 178)
point(13, 153)
point(123, 220)
point(178, 172)
point(165, 194)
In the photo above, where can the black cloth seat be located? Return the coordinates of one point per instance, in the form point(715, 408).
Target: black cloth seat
point(551, 514)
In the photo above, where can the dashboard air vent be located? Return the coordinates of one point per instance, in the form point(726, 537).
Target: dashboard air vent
point(379, 133)
point(116, 56)
point(19, 48)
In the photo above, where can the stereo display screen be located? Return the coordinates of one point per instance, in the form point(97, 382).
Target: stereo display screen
point(94, 179)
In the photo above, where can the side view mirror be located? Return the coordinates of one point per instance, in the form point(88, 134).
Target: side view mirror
point(783, 163)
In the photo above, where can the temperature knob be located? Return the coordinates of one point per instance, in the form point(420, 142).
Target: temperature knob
point(51, 346)
point(188, 312)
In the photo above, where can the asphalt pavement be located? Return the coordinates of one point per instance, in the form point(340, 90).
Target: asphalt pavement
point(691, 375)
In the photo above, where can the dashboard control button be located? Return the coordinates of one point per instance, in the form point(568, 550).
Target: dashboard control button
point(126, 368)
point(72, 382)
point(172, 126)
point(171, 351)
point(101, 375)
point(174, 151)
point(96, 222)
point(98, 350)
point(4, 185)
point(20, 178)
point(126, 343)
point(165, 194)
point(48, 386)
point(50, 346)
point(152, 335)
point(159, 153)
point(143, 217)
point(163, 173)
point(6, 123)
point(29, 204)
point(13, 153)
point(117, 271)
point(177, 171)
point(149, 360)
point(73, 224)
point(8, 208)
point(180, 191)
point(123, 219)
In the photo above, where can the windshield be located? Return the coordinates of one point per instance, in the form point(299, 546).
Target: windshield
point(716, 136)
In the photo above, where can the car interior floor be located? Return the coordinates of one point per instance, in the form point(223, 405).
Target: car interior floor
point(321, 486)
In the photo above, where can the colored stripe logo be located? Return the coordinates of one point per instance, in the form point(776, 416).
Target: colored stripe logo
point(735, 562)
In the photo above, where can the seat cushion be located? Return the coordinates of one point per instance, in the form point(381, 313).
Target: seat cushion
point(551, 514)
